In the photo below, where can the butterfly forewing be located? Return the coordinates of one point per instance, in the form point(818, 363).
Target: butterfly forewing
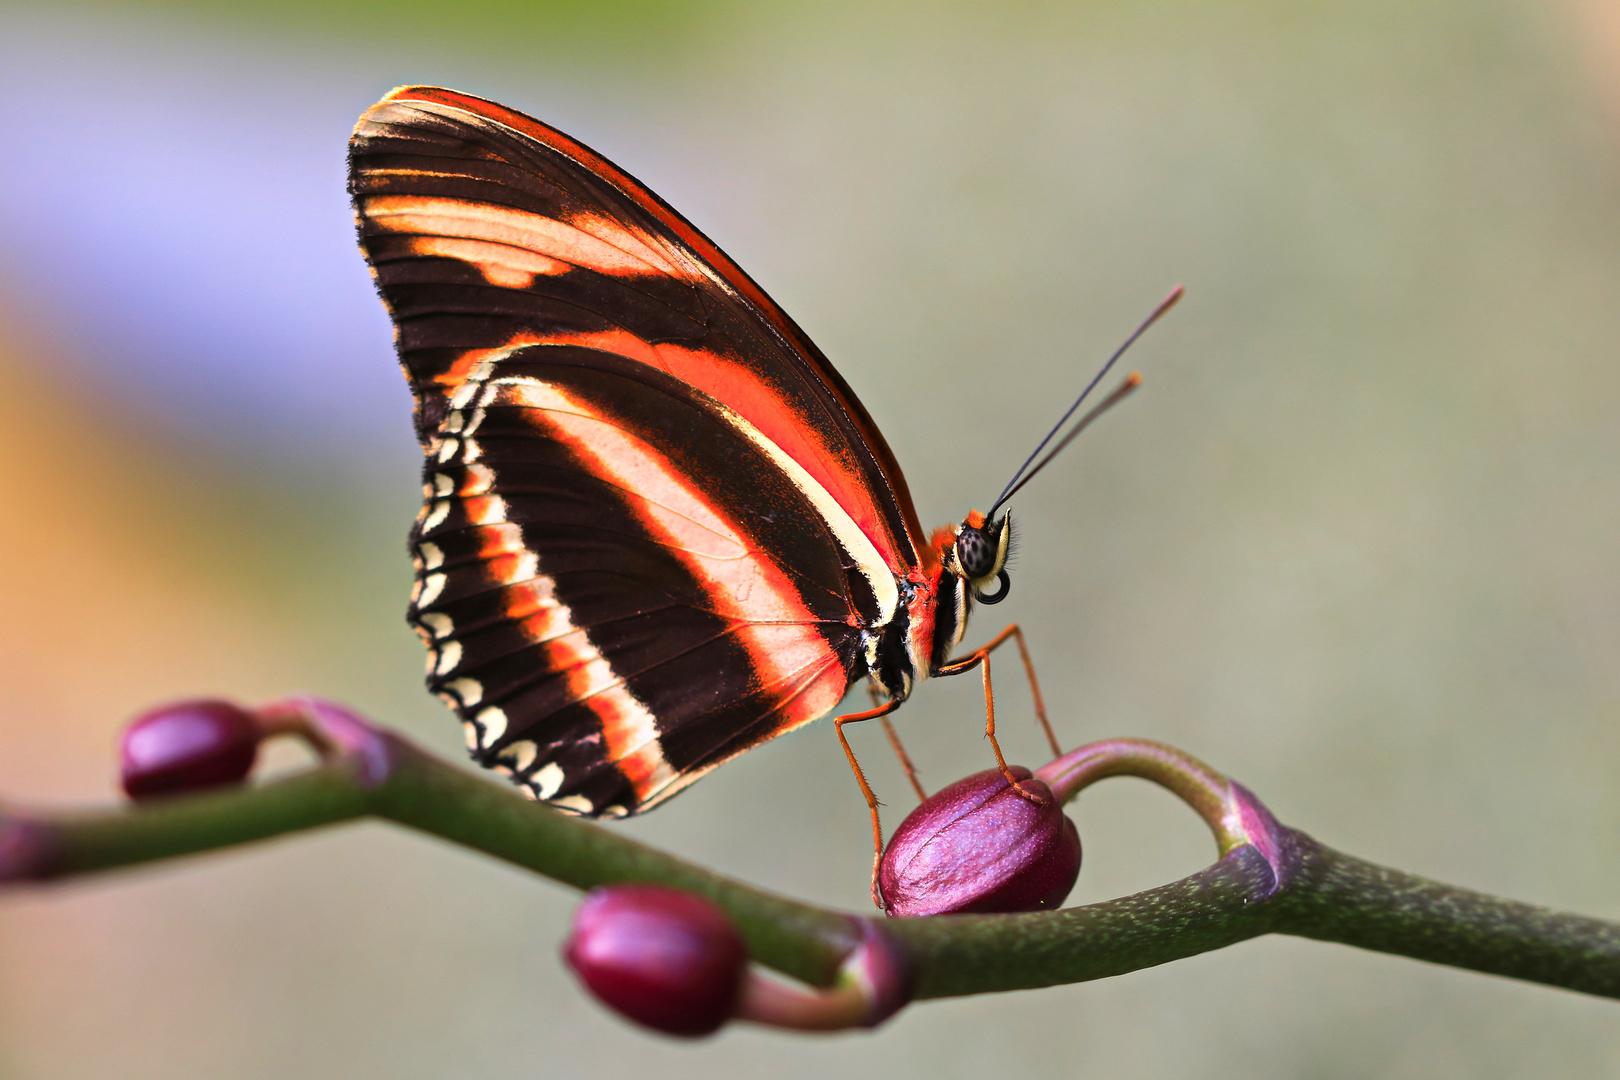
point(488, 230)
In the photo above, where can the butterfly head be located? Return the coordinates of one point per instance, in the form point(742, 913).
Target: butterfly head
point(978, 554)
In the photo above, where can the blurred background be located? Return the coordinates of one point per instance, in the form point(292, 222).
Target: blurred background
point(1355, 543)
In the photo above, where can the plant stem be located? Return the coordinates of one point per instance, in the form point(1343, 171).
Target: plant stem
point(1334, 897)
point(801, 940)
point(953, 955)
point(1269, 879)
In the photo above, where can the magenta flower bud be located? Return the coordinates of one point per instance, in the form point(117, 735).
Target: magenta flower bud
point(980, 846)
point(666, 959)
point(188, 746)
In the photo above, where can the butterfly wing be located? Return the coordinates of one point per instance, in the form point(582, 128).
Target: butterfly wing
point(658, 527)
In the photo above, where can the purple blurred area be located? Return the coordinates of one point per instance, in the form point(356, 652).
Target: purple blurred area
point(177, 219)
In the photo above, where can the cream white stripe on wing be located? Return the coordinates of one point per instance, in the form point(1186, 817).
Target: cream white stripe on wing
point(860, 547)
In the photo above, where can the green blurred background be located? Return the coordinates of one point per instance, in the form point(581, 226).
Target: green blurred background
point(1356, 541)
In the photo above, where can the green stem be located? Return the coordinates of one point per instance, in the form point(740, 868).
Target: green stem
point(43, 847)
point(1334, 897)
point(1269, 879)
point(425, 793)
point(801, 940)
point(953, 955)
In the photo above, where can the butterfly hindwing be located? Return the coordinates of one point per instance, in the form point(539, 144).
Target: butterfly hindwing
point(611, 617)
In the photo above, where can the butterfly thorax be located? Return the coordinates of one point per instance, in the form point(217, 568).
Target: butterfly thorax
point(970, 559)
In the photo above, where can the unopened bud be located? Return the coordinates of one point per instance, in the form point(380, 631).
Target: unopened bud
point(666, 959)
point(979, 845)
point(188, 746)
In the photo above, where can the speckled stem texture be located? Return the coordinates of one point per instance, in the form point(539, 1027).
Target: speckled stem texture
point(1334, 897)
point(1279, 881)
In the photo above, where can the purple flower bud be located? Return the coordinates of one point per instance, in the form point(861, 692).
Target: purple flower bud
point(188, 746)
point(666, 959)
point(980, 846)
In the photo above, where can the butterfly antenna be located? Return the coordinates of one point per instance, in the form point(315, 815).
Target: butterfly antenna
point(1124, 390)
point(1022, 476)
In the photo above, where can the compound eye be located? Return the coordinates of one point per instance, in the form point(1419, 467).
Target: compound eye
point(975, 553)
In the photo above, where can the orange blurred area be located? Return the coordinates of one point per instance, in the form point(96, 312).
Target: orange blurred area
point(1602, 46)
point(103, 612)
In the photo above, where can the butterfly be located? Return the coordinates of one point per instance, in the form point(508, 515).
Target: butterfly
point(658, 528)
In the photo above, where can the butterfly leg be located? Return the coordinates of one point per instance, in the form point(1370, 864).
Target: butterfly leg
point(1017, 634)
point(980, 658)
point(1034, 685)
point(866, 789)
point(899, 747)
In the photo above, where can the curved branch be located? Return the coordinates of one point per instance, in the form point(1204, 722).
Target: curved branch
point(1269, 878)
point(421, 791)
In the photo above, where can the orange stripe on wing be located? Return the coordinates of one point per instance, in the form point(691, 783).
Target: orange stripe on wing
point(752, 398)
point(629, 730)
point(525, 599)
point(809, 698)
point(745, 586)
